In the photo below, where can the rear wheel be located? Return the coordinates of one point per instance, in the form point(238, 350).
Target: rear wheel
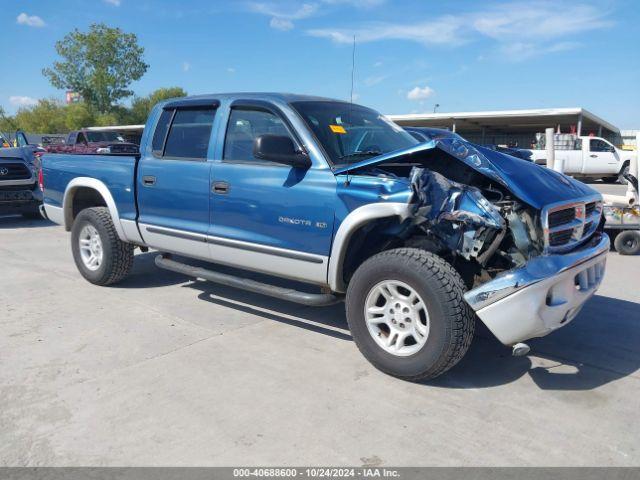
point(628, 242)
point(407, 314)
point(101, 257)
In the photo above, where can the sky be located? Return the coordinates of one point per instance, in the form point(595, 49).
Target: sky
point(409, 57)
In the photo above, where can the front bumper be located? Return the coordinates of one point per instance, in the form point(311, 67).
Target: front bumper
point(543, 295)
point(19, 201)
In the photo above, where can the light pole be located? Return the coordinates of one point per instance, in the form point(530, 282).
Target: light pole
point(435, 107)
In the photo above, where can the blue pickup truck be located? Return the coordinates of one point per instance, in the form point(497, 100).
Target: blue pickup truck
point(420, 239)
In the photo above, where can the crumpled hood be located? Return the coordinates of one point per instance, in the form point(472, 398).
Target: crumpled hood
point(533, 184)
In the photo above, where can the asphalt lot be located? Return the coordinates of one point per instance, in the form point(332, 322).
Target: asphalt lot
point(163, 370)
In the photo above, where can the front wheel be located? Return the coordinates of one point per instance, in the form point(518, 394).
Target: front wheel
point(101, 257)
point(407, 314)
point(625, 171)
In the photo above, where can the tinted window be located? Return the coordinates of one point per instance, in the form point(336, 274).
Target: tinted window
point(104, 137)
point(600, 146)
point(244, 126)
point(161, 131)
point(189, 134)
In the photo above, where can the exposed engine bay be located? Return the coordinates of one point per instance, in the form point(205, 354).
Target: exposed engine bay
point(466, 217)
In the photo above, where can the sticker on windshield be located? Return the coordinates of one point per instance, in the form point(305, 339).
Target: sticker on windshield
point(337, 129)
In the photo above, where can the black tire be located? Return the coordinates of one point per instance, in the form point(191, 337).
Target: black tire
point(32, 215)
point(117, 255)
point(625, 171)
point(628, 242)
point(610, 179)
point(451, 319)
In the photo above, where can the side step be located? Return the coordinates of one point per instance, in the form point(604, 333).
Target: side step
point(310, 299)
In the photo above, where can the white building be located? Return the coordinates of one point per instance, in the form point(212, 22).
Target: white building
point(503, 127)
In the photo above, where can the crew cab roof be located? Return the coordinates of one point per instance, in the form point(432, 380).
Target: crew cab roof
point(265, 96)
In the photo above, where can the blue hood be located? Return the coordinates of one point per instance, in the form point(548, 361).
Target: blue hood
point(533, 184)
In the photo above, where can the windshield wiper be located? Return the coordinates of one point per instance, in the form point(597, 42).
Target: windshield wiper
point(368, 153)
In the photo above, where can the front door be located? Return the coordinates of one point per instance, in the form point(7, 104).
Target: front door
point(602, 158)
point(173, 181)
point(266, 216)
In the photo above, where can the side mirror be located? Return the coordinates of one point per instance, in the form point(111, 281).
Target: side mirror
point(280, 149)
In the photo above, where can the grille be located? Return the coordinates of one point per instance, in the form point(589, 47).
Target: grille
point(14, 171)
point(560, 217)
point(567, 225)
point(560, 238)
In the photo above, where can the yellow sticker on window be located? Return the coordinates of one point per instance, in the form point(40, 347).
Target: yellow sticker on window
point(337, 129)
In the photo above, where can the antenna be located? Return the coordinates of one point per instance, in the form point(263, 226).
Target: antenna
point(353, 69)
point(353, 65)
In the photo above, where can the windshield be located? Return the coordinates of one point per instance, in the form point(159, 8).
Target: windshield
point(428, 135)
point(104, 137)
point(351, 133)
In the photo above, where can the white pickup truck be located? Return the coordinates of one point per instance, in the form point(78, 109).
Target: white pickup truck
point(592, 157)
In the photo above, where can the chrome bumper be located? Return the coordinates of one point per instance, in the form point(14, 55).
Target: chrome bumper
point(543, 295)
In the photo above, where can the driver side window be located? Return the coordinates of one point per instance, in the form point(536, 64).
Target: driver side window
point(245, 125)
point(600, 146)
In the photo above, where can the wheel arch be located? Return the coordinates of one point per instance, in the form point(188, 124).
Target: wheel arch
point(102, 198)
point(354, 222)
point(625, 163)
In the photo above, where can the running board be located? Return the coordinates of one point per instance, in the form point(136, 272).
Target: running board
point(310, 299)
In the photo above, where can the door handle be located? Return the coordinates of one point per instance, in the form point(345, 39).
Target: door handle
point(593, 156)
point(148, 180)
point(220, 188)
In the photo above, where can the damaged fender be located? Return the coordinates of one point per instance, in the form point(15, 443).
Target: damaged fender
point(457, 215)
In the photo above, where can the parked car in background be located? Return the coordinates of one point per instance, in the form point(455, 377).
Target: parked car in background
point(589, 157)
point(425, 134)
point(4, 141)
point(95, 142)
point(419, 238)
point(19, 170)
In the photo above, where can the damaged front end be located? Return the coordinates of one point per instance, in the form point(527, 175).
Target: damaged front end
point(461, 222)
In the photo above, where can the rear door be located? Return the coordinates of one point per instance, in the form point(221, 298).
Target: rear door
point(267, 216)
point(173, 179)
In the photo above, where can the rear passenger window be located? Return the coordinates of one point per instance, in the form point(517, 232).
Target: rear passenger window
point(189, 134)
point(245, 125)
point(161, 132)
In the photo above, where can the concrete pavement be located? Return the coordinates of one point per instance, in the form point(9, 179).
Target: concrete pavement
point(163, 370)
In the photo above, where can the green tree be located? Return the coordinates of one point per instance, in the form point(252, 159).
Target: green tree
point(7, 123)
point(77, 115)
point(99, 65)
point(47, 116)
point(141, 106)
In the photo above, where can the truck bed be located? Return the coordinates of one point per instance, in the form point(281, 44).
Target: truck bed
point(116, 172)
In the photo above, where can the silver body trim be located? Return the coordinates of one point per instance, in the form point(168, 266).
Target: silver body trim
point(55, 214)
point(281, 262)
point(102, 189)
point(535, 270)
point(357, 218)
point(130, 228)
point(554, 299)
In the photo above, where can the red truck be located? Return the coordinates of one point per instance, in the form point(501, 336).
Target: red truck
point(95, 142)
